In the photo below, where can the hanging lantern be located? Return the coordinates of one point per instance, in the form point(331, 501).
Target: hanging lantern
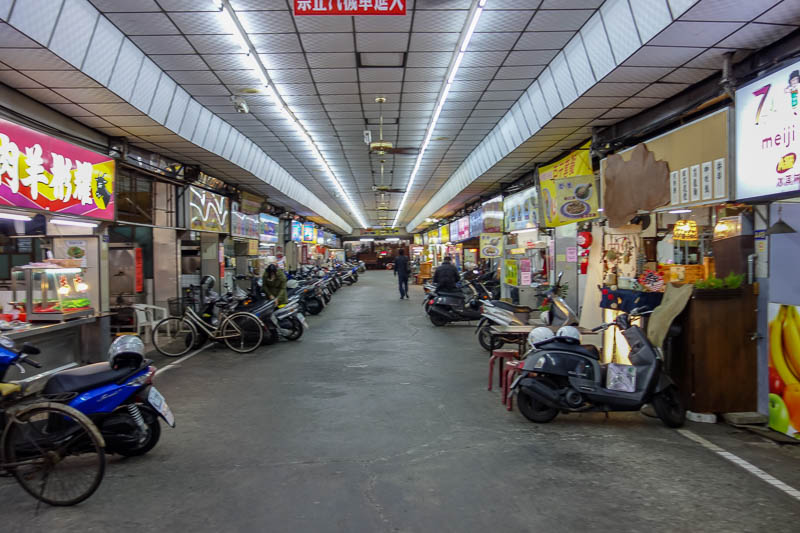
point(685, 230)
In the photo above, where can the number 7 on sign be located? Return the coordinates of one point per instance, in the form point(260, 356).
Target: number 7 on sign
point(762, 92)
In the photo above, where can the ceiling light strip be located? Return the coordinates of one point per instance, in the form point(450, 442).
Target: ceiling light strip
point(442, 98)
point(232, 25)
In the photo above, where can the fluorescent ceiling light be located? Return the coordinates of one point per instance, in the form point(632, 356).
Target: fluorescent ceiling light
point(445, 91)
point(14, 216)
point(70, 222)
point(366, 240)
point(524, 230)
point(679, 211)
point(232, 25)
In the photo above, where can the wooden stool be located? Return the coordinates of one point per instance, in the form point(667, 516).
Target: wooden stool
point(500, 355)
point(511, 369)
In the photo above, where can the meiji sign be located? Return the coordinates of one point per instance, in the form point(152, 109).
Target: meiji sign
point(349, 7)
point(767, 144)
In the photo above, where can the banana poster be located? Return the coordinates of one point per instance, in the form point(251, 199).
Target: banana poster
point(784, 369)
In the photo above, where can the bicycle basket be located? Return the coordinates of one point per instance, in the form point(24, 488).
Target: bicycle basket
point(177, 306)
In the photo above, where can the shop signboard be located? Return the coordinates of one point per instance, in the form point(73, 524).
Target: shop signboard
point(47, 174)
point(433, 236)
point(510, 271)
point(309, 233)
point(491, 245)
point(521, 210)
point(476, 223)
point(766, 135)
point(208, 211)
point(463, 228)
point(569, 193)
point(250, 204)
point(243, 225)
point(418, 238)
point(444, 234)
point(380, 231)
point(349, 8)
point(454, 231)
point(321, 237)
point(267, 228)
point(297, 231)
point(425, 239)
point(493, 215)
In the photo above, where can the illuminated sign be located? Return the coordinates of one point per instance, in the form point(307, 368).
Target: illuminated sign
point(44, 173)
point(349, 7)
point(766, 135)
point(309, 232)
point(521, 210)
point(268, 228)
point(493, 215)
point(297, 231)
point(207, 211)
point(244, 225)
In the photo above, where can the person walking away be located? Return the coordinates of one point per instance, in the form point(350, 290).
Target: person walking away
point(274, 284)
point(402, 272)
point(446, 275)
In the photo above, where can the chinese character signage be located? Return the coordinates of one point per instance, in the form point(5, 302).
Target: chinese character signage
point(297, 231)
point(568, 190)
point(380, 231)
point(493, 215)
point(491, 245)
point(309, 232)
point(349, 7)
point(244, 225)
point(207, 211)
point(463, 228)
point(268, 228)
point(444, 234)
point(48, 174)
point(767, 139)
point(250, 203)
point(521, 210)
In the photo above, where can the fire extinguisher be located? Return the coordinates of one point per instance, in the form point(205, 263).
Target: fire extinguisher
point(585, 242)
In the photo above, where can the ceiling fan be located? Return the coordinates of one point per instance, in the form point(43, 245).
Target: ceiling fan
point(382, 147)
point(383, 188)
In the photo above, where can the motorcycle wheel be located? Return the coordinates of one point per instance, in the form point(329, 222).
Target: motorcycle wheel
point(153, 434)
point(485, 338)
point(669, 407)
point(270, 336)
point(437, 319)
point(533, 409)
point(314, 306)
point(296, 329)
point(327, 298)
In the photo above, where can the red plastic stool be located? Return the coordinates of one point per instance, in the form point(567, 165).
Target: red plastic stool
point(501, 356)
point(511, 369)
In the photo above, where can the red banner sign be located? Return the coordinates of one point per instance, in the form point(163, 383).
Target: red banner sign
point(349, 7)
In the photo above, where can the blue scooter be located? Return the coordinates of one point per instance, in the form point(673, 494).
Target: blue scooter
point(118, 395)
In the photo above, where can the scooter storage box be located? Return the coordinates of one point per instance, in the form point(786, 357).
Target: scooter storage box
point(621, 377)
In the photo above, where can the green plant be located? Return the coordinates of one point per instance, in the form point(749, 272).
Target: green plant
point(731, 281)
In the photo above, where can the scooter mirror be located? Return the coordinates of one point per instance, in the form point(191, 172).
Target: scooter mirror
point(30, 349)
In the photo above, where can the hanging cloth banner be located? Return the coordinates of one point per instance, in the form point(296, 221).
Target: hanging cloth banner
point(568, 190)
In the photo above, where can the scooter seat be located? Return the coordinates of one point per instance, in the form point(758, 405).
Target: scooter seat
point(454, 294)
point(592, 350)
point(86, 378)
point(511, 307)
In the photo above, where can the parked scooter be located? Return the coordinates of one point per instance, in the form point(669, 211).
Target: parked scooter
point(444, 307)
point(286, 322)
point(560, 375)
point(118, 395)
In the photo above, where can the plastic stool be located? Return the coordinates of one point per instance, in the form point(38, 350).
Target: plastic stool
point(500, 355)
point(511, 369)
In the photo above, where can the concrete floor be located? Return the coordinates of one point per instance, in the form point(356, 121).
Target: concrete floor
point(375, 421)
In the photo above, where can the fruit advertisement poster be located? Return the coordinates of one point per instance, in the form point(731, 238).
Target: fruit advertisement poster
point(784, 369)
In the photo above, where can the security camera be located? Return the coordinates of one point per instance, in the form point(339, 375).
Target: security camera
point(240, 104)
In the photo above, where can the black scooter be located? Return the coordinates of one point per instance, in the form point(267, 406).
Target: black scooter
point(560, 374)
point(444, 307)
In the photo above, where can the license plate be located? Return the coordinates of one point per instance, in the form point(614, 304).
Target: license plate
point(160, 404)
point(302, 320)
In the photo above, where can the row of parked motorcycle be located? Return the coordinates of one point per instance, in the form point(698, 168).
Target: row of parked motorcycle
point(118, 395)
point(560, 374)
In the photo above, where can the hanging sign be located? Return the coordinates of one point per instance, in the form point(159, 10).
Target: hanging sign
point(244, 225)
point(493, 215)
point(349, 7)
point(463, 229)
point(297, 231)
point(444, 234)
point(309, 232)
point(511, 269)
point(268, 228)
point(476, 223)
point(521, 210)
point(47, 174)
point(250, 203)
point(207, 211)
point(767, 143)
point(568, 190)
point(491, 245)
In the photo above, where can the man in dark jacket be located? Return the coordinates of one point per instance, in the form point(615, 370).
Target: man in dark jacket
point(401, 271)
point(446, 275)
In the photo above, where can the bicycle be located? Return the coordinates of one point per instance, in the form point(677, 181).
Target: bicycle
point(53, 451)
point(175, 335)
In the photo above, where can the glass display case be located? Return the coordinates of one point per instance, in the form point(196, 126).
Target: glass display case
point(51, 292)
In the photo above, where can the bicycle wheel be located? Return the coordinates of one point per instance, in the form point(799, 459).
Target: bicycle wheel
point(174, 336)
point(242, 332)
point(54, 452)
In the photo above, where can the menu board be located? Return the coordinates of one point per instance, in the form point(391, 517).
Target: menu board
point(268, 228)
point(491, 245)
point(463, 228)
point(569, 193)
point(454, 231)
point(521, 210)
point(493, 215)
point(309, 232)
point(476, 223)
point(297, 231)
point(444, 234)
point(243, 225)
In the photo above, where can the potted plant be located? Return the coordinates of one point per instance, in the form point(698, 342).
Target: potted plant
point(715, 288)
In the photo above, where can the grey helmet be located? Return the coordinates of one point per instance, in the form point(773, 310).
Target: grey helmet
point(126, 351)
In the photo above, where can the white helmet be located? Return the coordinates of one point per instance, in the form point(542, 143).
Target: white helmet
point(292, 284)
point(539, 334)
point(569, 331)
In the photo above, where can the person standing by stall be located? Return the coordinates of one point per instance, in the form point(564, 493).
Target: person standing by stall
point(446, 275)
point(401, 271)
point(274, 284)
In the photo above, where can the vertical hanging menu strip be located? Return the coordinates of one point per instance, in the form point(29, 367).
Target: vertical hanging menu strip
point(707, 184)
point(695, 177)
point(674, 189)
point(719, 178)
point(684, 185)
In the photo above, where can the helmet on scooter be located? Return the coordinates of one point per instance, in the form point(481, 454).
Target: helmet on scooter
point(126, 352)
point(570, 332)
point(292, 284)
point(539, 334)
point(545, 317)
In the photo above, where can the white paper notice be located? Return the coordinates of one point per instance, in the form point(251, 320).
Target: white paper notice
point(707, 183)
point(719, 178)
point(695, 176)
point(684, 185)
point(674, 193)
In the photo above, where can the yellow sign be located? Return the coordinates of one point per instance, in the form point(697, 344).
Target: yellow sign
point(511, 271)
point(685, 230)
point(491, 245)
point(417, 238)
point(433, 236)
point(568, 189)
point(444, 234)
